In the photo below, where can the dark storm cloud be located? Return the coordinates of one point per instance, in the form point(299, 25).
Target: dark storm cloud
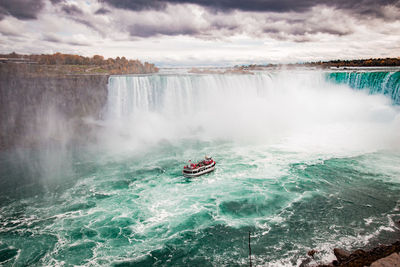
point(367, 7)
point(136, 5)
point(20, 9)
point(102, 11)
point(297, 28)
point(71, 10)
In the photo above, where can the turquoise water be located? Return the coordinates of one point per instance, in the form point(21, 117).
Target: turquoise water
point(302, 164)
point(387, 83)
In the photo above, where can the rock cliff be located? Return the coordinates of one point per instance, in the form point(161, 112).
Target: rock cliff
point(40, 107)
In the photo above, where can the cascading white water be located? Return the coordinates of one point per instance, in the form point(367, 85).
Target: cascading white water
point(180, 94)
point(297, 109)
point(387, 83)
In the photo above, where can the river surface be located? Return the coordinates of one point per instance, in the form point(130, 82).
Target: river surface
point(305, 160)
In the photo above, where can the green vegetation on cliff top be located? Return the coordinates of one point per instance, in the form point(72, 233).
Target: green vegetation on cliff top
point(59, 64)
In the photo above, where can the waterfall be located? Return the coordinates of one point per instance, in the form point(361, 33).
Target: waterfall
point(386, 83)
point(304, 106)
point(172, 95)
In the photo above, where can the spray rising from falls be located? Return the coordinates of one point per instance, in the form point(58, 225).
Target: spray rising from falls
point(300, 110)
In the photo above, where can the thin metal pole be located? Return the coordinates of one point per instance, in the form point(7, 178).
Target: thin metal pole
point(249, 250)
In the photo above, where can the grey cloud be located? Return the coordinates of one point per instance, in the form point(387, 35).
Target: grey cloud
point(77, 15)
point(78, 44)
point(90, 25)
point(272, 30)
point(216, 26)
point(11, 32)
point(84, 22)
point(303, 31)
point(219, 25)
point(331, 31)
point(137, 5)
point(52, 39)
point(319, 29)
point(143, 30)
point(102, 11)
point(367, 7)
point(55, 39)
point(245, 5)
point(71, 10)
point(20, 9)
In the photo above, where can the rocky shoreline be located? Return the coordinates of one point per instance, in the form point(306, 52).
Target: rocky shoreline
point(379, 256)
point(382, 255)
point(374, 255)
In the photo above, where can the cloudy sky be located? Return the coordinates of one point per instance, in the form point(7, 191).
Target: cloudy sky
point(204, 32)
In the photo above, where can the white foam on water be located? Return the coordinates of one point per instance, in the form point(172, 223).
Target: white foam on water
point(368, 221)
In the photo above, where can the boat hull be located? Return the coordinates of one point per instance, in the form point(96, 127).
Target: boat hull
point(199, 171)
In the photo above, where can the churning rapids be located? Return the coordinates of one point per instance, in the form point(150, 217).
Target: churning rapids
point(306, 160)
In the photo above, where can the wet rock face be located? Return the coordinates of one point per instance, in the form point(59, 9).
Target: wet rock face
point(390, 261)
point(360, 258)
point(312, 252)
point(341, 254)
point(33, 107)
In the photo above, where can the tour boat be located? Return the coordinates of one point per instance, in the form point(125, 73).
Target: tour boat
point(196, 169)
